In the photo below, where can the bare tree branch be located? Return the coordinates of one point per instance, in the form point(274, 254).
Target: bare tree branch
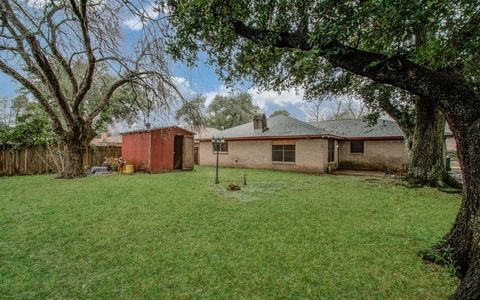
point(36, 92)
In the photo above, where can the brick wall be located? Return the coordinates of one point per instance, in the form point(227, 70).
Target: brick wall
point(377, 155)
point(310, 155)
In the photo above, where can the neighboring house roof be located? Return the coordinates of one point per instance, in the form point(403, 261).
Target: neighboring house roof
point(361, 129)
point(277, 127)
point(205, 132)
point(106, 140)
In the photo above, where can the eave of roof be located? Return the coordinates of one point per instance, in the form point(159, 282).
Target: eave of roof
point(283, 137)
point(374, 138)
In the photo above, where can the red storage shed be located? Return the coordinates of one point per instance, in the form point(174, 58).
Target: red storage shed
point(159, 149)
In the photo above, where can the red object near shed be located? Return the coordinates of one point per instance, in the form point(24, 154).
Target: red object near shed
point(159, 149)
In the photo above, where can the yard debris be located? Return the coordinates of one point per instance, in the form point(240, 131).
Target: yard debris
point(99, 171)
point(233, 187)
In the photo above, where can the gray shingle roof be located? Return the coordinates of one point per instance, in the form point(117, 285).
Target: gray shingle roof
point(359, 128)
point(283, 126)
point(278, 126)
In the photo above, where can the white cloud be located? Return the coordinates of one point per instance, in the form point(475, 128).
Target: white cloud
point(135, 22)
point(183, 86)
point(263, 98)
point(260, 98)
point(221, 91)
point(37, 3)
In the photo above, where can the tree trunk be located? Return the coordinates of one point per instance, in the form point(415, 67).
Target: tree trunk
point(424, 141)
point(73, 160)
point(464, 237)
point(75, 145)
point(426, 164)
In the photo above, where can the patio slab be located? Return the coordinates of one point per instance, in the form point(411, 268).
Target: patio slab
point(359, 173)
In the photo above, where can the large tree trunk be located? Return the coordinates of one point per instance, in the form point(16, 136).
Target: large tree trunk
point(464, 237)
point(73, 160)
point(76, 143)
point(424, 142)
point(426, 164)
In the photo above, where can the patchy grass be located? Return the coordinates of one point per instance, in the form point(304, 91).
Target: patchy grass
point(177, 235)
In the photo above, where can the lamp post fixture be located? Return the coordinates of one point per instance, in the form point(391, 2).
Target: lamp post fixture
point(217, 143)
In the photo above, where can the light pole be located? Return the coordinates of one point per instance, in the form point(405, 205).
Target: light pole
point(217, 143)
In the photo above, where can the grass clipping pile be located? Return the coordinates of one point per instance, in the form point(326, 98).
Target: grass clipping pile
point(233, 187)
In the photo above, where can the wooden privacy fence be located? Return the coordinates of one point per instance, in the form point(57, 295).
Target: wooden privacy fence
point(37, 160)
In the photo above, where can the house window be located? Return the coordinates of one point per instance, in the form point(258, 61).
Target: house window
point(356, 146)
point(223, 147)
point(283, 153)
point(331, 150)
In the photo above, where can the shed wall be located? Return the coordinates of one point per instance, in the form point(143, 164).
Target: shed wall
point(136, 150)
point(152, 151)
point(162, 150)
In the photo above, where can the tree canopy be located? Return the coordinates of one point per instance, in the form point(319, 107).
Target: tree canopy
point(282, 112)
point(31, 126)
point(192, 112)
point(229, 111)
point(376, 34)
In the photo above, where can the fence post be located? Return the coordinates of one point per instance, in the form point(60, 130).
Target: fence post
point(25, 164)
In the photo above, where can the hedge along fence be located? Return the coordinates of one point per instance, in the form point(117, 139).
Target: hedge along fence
point(39, 160)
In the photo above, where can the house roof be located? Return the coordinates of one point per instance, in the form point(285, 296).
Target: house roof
point(360, 129)
point(351, 129)
point(281, 126)
point(277, 127)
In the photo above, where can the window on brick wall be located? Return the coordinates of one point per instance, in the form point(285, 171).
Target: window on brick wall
point(356, 147)
point(223, 147)
point(283, 153)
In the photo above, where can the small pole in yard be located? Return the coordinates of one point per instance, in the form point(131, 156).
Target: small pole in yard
point(244, 179)
point(216, 172)
point(217, 143)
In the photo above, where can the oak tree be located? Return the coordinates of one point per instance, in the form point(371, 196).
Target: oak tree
point(41, 41)
point(429, 49)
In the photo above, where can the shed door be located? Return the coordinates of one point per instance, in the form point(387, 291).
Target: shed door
point(187, 152)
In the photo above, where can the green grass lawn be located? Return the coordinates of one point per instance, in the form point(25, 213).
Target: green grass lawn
point(177, 235)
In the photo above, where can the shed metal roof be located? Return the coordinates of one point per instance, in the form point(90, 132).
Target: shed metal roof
point(155, 129)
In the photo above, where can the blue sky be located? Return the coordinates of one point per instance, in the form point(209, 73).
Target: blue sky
point(200, 79)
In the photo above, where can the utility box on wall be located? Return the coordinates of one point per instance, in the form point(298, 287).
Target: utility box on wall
point(159, 149)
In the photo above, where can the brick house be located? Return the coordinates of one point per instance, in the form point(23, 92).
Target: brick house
point(285, 143)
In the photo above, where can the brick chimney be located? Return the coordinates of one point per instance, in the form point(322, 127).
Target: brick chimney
point(260, 122)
